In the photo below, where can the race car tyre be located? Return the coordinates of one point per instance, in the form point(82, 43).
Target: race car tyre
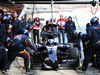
point(74, 54)
point(70, 44)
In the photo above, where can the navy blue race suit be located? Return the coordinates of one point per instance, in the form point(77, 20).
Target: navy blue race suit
point(69, 27)
point(29, 22)
point(23, 24)
point(3, 56)
point(2, 32)
point(3, 53)
point(16, 25)
point(93, 34)
point(17, 48)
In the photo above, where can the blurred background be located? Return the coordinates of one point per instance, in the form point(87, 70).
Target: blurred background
point(81, 13)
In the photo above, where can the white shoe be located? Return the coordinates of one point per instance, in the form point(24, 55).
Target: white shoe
point(46, 66)
point(4, 72)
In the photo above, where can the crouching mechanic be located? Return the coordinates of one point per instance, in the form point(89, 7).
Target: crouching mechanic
point(17, 48)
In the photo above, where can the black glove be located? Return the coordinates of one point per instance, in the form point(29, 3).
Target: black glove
point(35, 52)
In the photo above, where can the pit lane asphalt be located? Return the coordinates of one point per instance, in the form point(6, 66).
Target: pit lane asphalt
point(16, 70)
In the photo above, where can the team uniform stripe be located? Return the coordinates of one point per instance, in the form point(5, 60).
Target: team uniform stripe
point(28, 57)
point(27, 43)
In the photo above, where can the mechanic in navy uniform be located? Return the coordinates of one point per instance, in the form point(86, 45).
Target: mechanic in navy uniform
point(76, 41)
point(16, 23)
point(17, 48)
point(23, 22)
point(93, 34)
point(3, 53)
point(87, 46)
point(46, 28)
point(29, 28)
point(29, 22)
point(69, 27)
point(36, 25)
point(85, 41)
point(9, 31)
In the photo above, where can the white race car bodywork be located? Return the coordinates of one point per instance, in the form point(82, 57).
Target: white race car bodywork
point(52, 53)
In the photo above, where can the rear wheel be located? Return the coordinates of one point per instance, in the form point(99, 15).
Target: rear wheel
point(74, 54)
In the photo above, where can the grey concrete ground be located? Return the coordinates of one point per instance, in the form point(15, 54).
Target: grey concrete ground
point(15, 70)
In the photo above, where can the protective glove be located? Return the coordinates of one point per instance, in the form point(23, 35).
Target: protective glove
point(35, 52)
point(32, 52)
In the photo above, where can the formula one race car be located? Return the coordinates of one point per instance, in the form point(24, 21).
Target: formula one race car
point(55, 54)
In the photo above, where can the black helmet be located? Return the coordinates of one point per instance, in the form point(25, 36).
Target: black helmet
point(29, 27)
point(88, 24)
point(25, 32)
point(95, 20)
point(47, 22)
point(81, 35)
point(22, 31)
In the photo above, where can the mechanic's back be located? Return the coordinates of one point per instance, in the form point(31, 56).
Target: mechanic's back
point(93, 33)
point(19, 43)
